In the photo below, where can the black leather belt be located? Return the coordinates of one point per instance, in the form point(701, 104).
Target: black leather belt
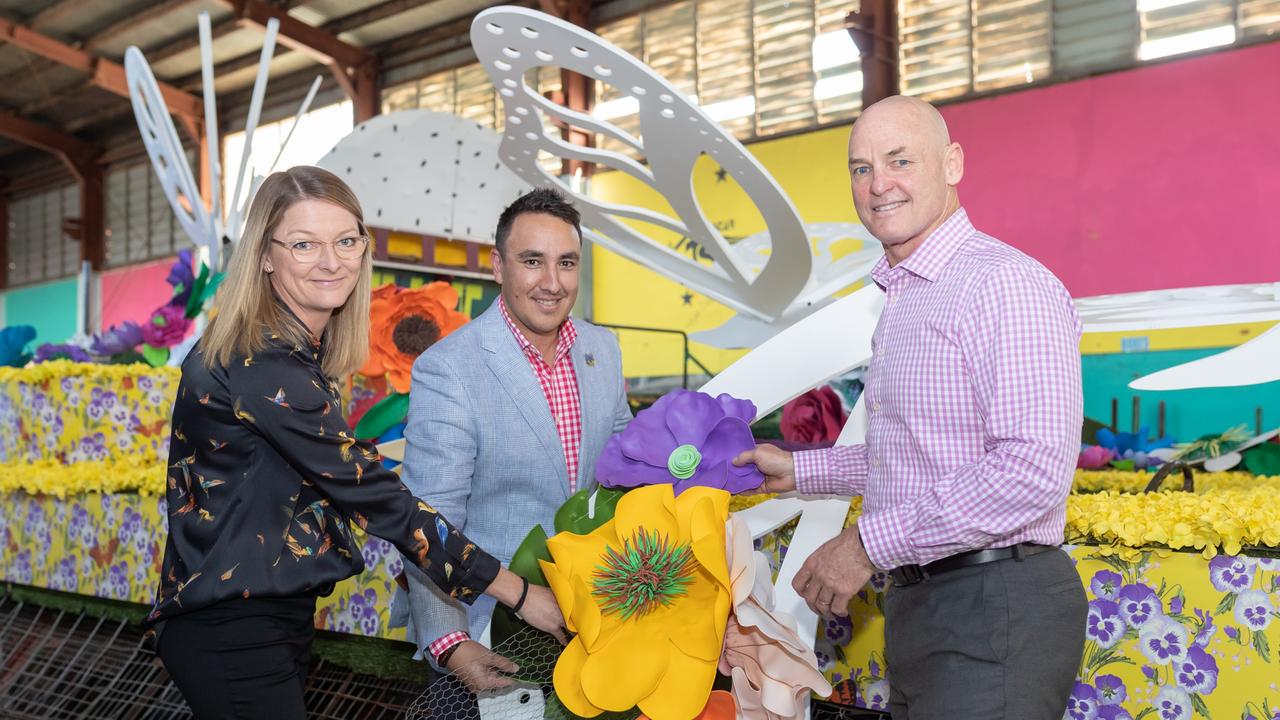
point(912, 574)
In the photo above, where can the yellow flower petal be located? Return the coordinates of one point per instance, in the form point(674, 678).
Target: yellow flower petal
point(683, 690)
point(626, 670)
point(651, 508)
point(567, 680)
point(563, 591)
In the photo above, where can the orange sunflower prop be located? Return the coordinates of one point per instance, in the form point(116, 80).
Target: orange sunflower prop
point(405, 322)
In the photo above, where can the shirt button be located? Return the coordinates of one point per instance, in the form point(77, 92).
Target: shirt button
point(877, 406)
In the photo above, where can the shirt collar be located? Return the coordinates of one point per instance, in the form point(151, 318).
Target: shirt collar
point(934, 254)
point(564, 341)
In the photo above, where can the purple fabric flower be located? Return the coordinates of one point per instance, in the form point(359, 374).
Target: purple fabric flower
point(50, 351)
point(1083, 703)
point(1230, 574)
point(1106, 584)
point(1138, 604)
point(1105, 625)
point(1173, 703)
point(182, 279)
point(686, 438)
point(1253, 610)
point(119, 339)
point(1197, 672)
point(167, 326)
point(1163, 641)
point(1111, 689)
point(1113, 712)
point(1094, 458)
point(839, 630)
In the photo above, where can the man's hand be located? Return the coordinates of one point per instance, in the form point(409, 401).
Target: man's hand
point(480, 668)
point(834, 573)
point(541, 610)
point(778, 466)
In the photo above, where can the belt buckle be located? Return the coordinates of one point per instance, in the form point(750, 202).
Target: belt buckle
point(908, 575)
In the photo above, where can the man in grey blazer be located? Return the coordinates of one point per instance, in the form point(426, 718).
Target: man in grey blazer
point(507, 416)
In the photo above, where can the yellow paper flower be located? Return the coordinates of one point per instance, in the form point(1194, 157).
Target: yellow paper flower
point(658, 651)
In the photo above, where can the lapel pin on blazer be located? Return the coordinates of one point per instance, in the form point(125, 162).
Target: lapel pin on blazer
point(591, 360)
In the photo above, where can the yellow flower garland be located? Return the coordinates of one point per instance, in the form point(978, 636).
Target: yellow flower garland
point(58, 369)
point(120, 473)
point(1227, 512)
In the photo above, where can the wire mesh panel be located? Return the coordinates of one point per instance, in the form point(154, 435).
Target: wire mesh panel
point(60, 665)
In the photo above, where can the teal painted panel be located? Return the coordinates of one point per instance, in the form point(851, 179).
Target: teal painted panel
point(1188, 413)
point(51, 308)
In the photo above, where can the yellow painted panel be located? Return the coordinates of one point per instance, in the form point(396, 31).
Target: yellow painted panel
point(1212, 336)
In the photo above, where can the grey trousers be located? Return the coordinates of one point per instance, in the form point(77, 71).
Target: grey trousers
point(1000, 641)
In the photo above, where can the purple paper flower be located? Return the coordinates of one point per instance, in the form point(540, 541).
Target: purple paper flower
point(1163, 641)
point(1173, 703)
point(686, 438)
point(167, 326)
point(1230, 574)
point(1197, 672)
point(1138, 604)
point(119, 339)
point(1113, 712)
point(1253, 610)
point(1111, 690)
point(1094, 458)
point(1106, 584)
point(1105, 625)
point(1083, 703)
point(50, 351)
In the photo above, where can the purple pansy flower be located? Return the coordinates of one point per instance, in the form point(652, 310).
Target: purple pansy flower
point(1163, 641)
point(1106, 584)
point(1197, 672)
point(1111, 690)
point(1150, 673)
point(1231, 574)
point(1253, 610)
point(876, 696)
point(1138, 604)
point(839, 630)
point(1083, 703)
point(686, 438)
point(119, 339)
point(1173, 703)
point(1231, 632)
point(1113, 712)
point(1175, 604)
point(1105, 626)
point(1207, 628)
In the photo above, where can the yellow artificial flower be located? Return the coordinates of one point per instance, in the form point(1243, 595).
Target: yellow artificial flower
point(58, 369)
point(650, 638)
point(119, 473)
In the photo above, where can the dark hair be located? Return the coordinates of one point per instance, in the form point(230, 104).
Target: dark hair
point(544, 200)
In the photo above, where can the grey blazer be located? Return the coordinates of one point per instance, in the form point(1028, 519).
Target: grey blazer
point(483, 450)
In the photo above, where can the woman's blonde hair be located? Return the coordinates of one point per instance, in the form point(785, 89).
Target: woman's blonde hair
point(246, 305)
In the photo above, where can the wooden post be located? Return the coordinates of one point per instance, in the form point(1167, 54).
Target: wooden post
point(875, 31)
point(1160, 422)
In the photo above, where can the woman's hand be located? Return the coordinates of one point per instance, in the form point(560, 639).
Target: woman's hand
point(539, 608)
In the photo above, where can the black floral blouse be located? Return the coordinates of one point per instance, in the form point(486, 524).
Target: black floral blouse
point(264, 476)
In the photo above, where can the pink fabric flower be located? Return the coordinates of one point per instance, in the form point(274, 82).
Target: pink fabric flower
point(166, 328)
point(1094, 457)
point(773, 670)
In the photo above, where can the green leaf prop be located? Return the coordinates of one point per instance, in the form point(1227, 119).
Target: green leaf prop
point(390, 410)
point(525, 564)
point(577, 515)
point(1263, 459)
point(195, 301)
point(155, 356)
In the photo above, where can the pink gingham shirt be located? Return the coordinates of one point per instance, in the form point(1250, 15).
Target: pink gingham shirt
point(974, 404)
point(560, 385)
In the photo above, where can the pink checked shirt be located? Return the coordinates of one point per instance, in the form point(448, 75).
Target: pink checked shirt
point(974, 404)
point(560, 385)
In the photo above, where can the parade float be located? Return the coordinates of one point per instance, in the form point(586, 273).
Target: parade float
point(1182, 571)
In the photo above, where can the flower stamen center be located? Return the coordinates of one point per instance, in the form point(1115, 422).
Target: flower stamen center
point(648, 572)
point(415, 333)
point(683, 462)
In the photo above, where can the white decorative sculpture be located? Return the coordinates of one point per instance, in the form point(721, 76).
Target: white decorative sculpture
point(427, 173)
point(774, 287)
point(205, 227)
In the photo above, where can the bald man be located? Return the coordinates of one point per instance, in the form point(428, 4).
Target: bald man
point(975, 407)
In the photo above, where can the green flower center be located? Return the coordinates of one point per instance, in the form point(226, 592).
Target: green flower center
point(683, 462)
point(649, 572)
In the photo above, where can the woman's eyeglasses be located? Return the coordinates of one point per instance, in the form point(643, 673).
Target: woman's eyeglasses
point(308, 251)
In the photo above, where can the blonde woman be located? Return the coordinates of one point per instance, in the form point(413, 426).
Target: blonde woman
point(265, 476)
